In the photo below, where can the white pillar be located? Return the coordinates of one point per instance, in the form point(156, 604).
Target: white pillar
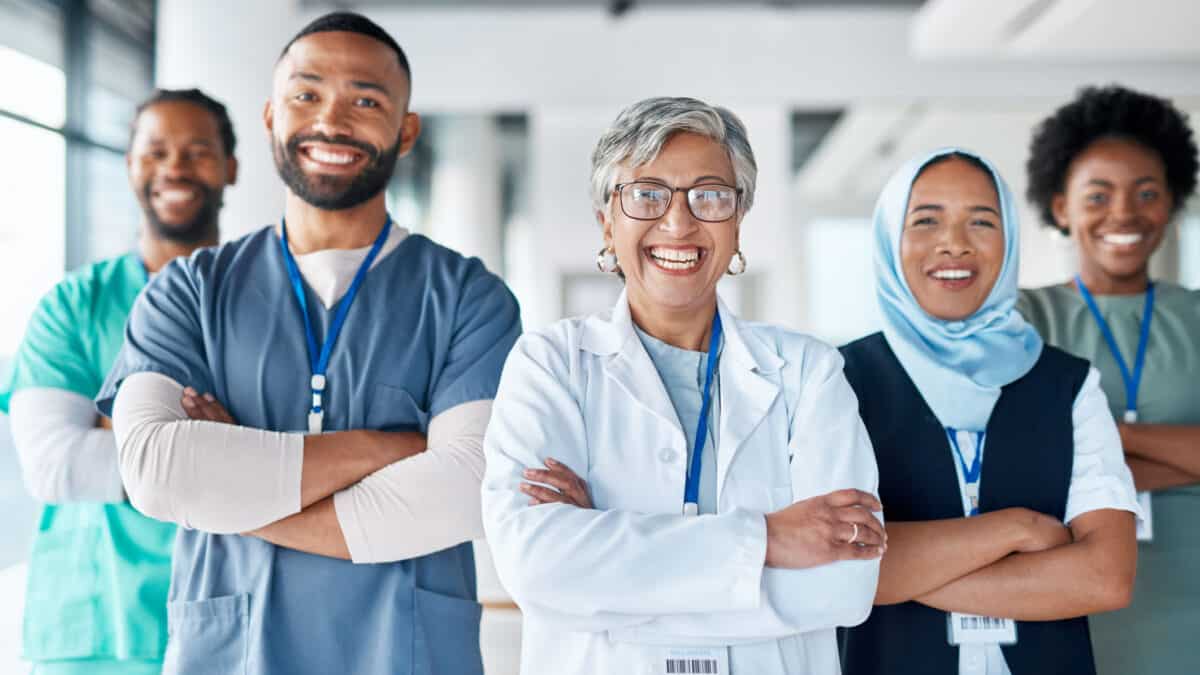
point(466, 197)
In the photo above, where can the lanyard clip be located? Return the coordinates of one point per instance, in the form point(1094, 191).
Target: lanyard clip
point(1131, 416)
point(691, 508)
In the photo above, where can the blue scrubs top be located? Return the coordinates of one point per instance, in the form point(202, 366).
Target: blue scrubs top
point(429, 330)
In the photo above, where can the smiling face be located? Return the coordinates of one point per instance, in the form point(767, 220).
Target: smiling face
point(178, 169)
point(672, 263)
point(1116, 204)
point(952, 245)
point(338, 118)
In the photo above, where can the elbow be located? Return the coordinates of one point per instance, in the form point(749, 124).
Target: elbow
point(148, 498)
point(1115, 590)
point(43, 489)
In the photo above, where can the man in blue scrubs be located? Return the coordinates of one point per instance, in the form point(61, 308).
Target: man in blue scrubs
point(359, 363)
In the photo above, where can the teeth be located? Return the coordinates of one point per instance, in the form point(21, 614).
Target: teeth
point(176, 196)
point(676, 255)
point(330, 157)
point(1123, 239)
point(952, 274)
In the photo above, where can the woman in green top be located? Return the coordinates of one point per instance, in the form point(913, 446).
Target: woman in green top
point(1110, 169)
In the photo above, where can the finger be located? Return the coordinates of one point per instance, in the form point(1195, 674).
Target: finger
point(852, 497)
point(215, 411)
point(553, 478)
point(865, 519)
point(856, 552)
point(863, 537)
point(544, 494)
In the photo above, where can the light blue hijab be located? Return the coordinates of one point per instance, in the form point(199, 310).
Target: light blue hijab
point(958, 366)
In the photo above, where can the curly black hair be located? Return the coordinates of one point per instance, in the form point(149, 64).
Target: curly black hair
point(196, 97)
point(1112, 111)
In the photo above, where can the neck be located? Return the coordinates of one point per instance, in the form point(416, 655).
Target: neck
point(685, 328)
point(313, 229)
point(1099, 282)
point(156, 251)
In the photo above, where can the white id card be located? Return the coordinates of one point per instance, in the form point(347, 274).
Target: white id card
point(1145, 526)
point(693, 661)
point(971, 629)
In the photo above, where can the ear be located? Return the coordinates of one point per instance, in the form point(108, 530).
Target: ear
point(605, 228)
point(231, 171)
point(410, 129)
point(269, 118)
point(1058, 208)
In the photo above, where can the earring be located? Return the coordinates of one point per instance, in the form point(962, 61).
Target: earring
point(737, 264)
point(606, 261)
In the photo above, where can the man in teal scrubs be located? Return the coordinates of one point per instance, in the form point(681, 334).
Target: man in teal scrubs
point(99, 570)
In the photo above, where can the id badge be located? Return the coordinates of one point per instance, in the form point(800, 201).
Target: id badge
point(971, 629)
point(693, 661)
point(1145, 526)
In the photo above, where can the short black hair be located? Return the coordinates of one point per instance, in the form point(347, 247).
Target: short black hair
point(350, 22)
point(195, 97)
point(1109, 112)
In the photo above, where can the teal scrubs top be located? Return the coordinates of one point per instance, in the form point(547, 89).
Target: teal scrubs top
point(98, 573)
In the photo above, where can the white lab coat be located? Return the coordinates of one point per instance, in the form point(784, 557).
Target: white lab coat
point(603, 589)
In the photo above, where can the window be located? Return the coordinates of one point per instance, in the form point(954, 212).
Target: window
point(73, 72)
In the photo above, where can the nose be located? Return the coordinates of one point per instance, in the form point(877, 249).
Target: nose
point(1124, 206)
point(331, 119)
point(178, 164)
point(954, 241)
point(678, 221)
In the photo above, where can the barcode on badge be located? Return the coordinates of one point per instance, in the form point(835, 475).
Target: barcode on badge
point(693, 666)
point(980, 623)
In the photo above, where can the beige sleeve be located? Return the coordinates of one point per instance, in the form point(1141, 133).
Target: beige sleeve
point(208, 476)
point(425, 503)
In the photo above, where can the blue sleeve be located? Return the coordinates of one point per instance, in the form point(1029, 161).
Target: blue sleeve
point(164, 333)
point(487, 323)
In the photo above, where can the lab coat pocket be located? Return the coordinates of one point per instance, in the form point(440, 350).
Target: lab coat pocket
point(447, 634)
point(208, 637)
point(394, 409)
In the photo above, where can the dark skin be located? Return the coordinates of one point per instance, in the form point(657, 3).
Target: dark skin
point(176, 146)
point(1014, 563)
point(1117, 205)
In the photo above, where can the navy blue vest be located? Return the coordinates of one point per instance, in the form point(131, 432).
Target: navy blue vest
point(1030, 451)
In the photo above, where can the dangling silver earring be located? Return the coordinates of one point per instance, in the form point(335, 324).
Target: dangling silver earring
point(737, 264)
point(606, 261)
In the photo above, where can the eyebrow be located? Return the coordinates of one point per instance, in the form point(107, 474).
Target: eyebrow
point(1109, 184)
point(697, 181)
point(939, 207)
point(357, 84)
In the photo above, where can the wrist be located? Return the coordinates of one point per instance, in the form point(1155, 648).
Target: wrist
point(1016, 528)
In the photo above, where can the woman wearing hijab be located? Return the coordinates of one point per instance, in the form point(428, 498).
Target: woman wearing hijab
point(1011, 512)
point(670, 489)
point(1111, 169)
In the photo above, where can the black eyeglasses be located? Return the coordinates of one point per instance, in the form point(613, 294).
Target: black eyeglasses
point(711, 202)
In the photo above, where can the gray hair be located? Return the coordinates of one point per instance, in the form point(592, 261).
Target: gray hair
point(640, 131)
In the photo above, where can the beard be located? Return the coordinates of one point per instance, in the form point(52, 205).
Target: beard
point(201, 226)
point(335, 193)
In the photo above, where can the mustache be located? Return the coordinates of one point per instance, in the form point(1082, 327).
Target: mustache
point(293, 144)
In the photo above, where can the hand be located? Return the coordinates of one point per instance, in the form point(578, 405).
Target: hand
point(205, 408)
point(821, 530)
point(568, 487)
point(104, 422)
point(1039, 532)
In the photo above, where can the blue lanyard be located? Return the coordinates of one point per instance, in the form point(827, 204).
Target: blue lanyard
point(319, 357)
point(691, 491)
point(972, 473)
point(1132, 380)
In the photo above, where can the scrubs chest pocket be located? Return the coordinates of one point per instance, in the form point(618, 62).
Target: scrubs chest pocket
point(208, 637)
point(394, 409)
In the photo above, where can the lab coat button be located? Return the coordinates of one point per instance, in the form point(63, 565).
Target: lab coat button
point(667, 455)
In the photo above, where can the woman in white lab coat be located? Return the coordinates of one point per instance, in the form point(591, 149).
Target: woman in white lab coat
point(670, 489)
